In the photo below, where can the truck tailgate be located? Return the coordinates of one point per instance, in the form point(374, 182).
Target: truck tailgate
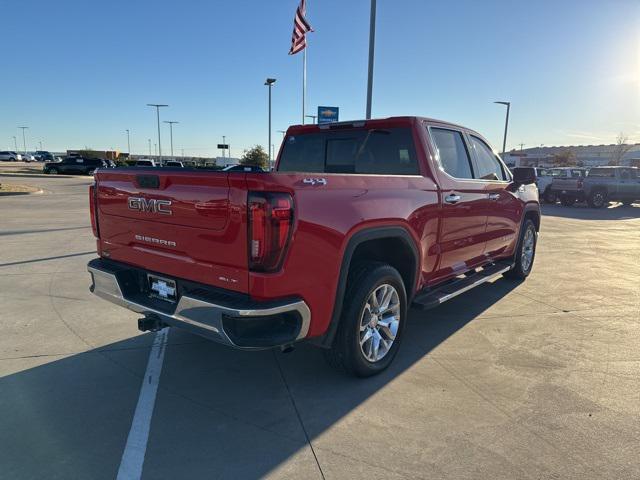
point(187, 224)
point(562, 184)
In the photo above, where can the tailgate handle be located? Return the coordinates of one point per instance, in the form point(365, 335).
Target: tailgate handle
point(148, 181)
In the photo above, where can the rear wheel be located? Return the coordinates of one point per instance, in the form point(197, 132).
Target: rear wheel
point(550, 196)
point(372, 321)
point(52, 171)
point(597, 199)
point(525, 252)
point(567, 200)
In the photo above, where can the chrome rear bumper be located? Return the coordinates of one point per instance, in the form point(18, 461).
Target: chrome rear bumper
point(202, 316)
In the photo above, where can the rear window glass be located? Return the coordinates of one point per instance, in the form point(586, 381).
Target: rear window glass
point(602, 172)
point(363, 151)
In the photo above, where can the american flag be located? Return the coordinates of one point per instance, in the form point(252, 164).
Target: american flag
point(300, 28)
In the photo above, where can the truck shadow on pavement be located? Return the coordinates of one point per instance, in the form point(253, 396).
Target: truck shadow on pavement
point(219, 412)
point(615, 211)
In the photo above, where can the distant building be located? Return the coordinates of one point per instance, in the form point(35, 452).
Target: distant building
point(224, 161)
point(585, 155)
point(103, 154)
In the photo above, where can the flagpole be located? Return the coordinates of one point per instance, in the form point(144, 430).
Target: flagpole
point(304, 81)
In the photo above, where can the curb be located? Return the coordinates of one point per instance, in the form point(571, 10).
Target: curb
point(38, 175)
point(20, 194)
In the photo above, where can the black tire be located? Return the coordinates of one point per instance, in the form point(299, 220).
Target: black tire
point(597, 198)
point(346, 353)
point(521, 270)
point(567, 200)
point(52, 171)
point(550, 196)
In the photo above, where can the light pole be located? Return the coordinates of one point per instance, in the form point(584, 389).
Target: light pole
point(15, 142)
point(24, 142)
point(313, 117)
point(224, 142)
point(506, 125)
point(157, 106)
point(269, 83)
point(149, 140)
point(40, 143)
point(283, 132)
point(372, 42)
point(171, 122)
point(128, 143)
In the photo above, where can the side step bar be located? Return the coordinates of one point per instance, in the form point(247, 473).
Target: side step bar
point(433, 297)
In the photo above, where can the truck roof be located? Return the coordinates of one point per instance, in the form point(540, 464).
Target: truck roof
point(402, 121)
point(613, 166)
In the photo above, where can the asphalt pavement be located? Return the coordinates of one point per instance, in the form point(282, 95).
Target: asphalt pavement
point(538, 380)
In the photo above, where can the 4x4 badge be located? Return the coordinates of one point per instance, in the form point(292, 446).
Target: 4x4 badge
point(315, 181)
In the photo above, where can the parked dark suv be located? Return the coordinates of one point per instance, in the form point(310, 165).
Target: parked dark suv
point(44, 156)
point(75, 165)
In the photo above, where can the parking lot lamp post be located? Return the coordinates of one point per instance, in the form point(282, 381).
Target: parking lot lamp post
point(506, 125)
point(313, 117)
point(40, 143)
point(269, 83)
point(24, 142)
point(372, 41)
point(158, 106)
point(149, 140)
point(171, 122)
point(128, 143)
point(15, 143)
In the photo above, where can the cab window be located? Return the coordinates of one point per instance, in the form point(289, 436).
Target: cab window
point(452, 152)
point(488, 165)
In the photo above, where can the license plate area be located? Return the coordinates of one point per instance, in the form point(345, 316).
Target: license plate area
point(162, 288)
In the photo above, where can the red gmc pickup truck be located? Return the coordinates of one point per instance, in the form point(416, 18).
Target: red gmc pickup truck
point(359, 222)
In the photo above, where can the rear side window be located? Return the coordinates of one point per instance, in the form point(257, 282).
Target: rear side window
point(361, 151)
point(602, 172)
point(489, 168)
point(452, 152)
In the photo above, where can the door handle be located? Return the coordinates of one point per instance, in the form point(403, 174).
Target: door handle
point(453, 198)
point(494, 196)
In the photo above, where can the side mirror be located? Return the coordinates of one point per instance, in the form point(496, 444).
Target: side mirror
point(524, 175)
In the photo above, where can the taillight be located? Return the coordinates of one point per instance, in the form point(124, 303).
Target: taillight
point(270, 225)
point(93, 209)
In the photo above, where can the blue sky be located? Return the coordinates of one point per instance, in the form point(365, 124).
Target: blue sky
point(79, 73)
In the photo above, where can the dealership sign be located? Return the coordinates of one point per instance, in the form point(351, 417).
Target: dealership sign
point(327, 114)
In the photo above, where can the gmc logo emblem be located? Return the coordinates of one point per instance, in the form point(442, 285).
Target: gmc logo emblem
point(150, 205)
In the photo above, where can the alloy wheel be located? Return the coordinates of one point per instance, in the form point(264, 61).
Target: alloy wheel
point(528, 245)
point(598, 199)
point(379, 322)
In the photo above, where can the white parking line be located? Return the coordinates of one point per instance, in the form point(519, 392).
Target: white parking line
point(134, 451)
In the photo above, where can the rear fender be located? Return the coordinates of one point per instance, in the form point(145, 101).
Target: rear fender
point(357, 239)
